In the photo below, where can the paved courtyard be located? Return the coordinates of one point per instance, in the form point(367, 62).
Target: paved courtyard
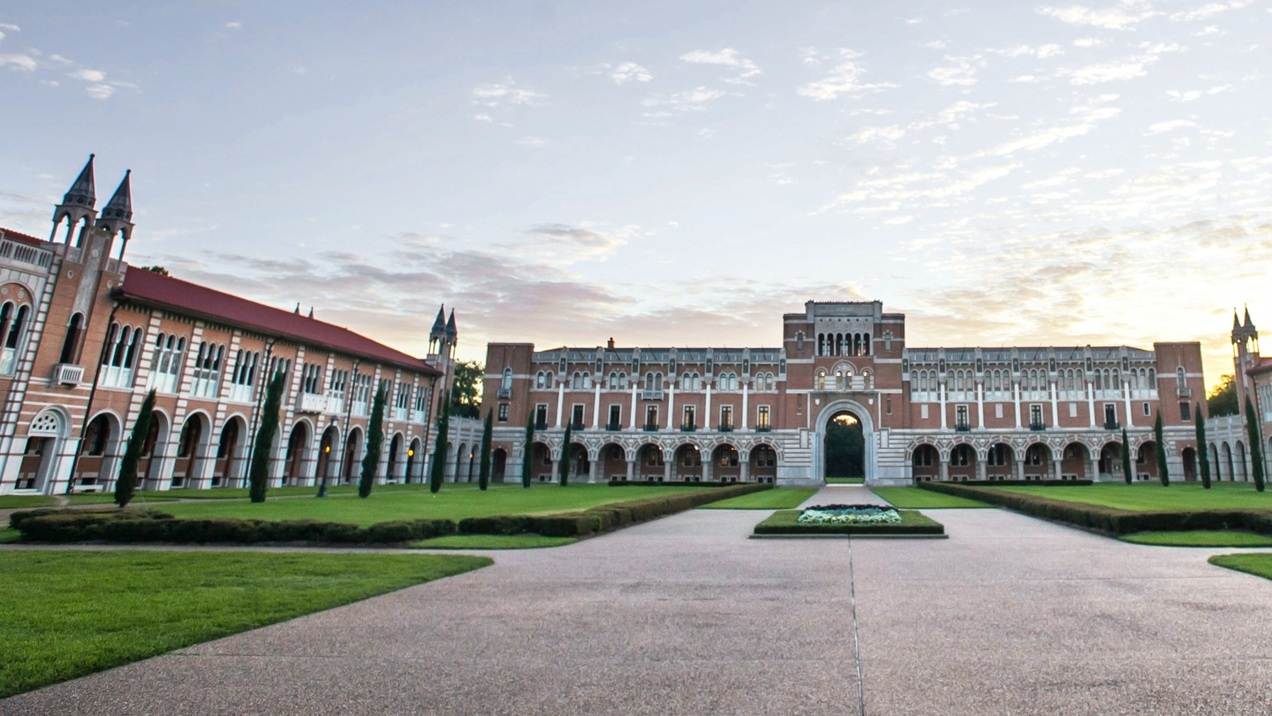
point(1010, 615)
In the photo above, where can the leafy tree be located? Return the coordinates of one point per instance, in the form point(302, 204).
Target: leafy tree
point(1163, 472)
point(439, 450)
point(161, 270)
point(845, 448)
point(483, 477)
point(258, 471)
point(565, 455)
point(1126, 458)
point(1223, 399)
point(126, 483)
point(375, 440)
point(527, 455)
point(1203, 455)
point(1256, 445)
point(466, 389)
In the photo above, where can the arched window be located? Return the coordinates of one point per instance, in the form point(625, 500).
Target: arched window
point(120, 355)
point(507, 379)
point(1180, 379)
point(70, 345)
point(12, 323)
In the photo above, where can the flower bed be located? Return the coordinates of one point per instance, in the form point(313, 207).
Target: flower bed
point(905, 522)
point(849, 515)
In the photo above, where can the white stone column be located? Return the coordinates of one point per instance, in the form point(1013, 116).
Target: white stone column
point(632, 422)
point(980, 405)
point(940, 394)
point(1090, 394)
point(594, 468)
point(560, 402)
point(671, 405)
point(745, 411)
point(1055, 406)
point(706, 418)
point(1126, 398)
point(1015, 397)
point(596, 406)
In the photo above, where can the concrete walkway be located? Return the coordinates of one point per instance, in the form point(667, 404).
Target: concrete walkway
point(687, 616)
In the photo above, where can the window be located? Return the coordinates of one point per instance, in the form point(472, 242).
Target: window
point(281, 365)
point(339, 381)
point(123, 343)
point(166, 370)
point(1185, 411)
point(821, 380)
point(651, 417)
point(243, 378)
point(1073, 410)
point(361, 394)
point(70, 345)
point(1147, 412)
point(687, 418)
point(507, 379)
point(1110, 415)
point(12, 322)
point(615, 417)
point(576, 416)
point(311, 379)
point(762, 418)
point(960, 456)
point(1035, 416)
point(538, 380)
point(765, 457)
point(960, 418)
point(923, 411)
point(887, 405)
point(540, 416)
point(997, 455)
point(207, 370)
point(726, 417)
point(503, 413)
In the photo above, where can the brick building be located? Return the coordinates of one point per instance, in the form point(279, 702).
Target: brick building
point(86, 336)
point(760, 414)
point(1231, 455)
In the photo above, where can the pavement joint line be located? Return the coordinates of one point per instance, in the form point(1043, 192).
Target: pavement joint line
point(856, 637)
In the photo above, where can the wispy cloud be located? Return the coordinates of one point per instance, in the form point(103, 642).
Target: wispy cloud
point(1120, 17)
point(845, 78)
point(742, 68)
point(668, 105)
point(626, 72)
point(959, 72)
point(506, 94)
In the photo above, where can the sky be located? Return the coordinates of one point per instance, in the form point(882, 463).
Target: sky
point(671, 173)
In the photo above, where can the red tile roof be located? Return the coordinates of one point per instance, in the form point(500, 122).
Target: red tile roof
point(153, 289)
point(1263, 366)
point(24, 238)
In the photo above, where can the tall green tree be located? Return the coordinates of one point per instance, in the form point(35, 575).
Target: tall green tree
point(466, 389)
point(565, 455)
point(1126, 458)
point(375, 440)
point(527, 454)
point(439, 449)
point(1222, 400)
point(1163, 472)
point(126, 483)
point(1203, 455)
point(1256, 445)
point(483, 476)
point(258, 471)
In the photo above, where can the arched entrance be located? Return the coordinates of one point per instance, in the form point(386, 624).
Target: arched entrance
point(1189, 458)
point(844, 412)
point(843, 447)
point(330, 437)
point(228, 458)
point(613, 462)
point(98, 452)
point(498, 465)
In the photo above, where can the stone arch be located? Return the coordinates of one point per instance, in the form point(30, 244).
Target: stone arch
point(963, 462)
point(414, 461)
point(1239, 458)
point(191, 464)
point(650, 461)
point(726, 463)
point(350, 454)
point(1214, 461)
point(1038, 459)
point(925, 462)
point(1227, 460)
point(541, 462)
point(1146, 459)
point(328, 452)
point(613, 461)
point(1075, 461)
point(862, 414)
point(230, 463)
point(154, 453)
point(46, 436)
point(100, 450)
point(688, 462)
point(296, 460)
point(498, 463)
point(1000, 461)
point(1188, 456)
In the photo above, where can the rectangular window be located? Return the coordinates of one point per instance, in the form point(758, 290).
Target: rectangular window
point(1110, 416)
point(362, 394)
point(576, 417)
point(923, 411)
point(651, 417)
point(762, 421)
point(726, 417)
point(541, 416)
point(207, 370)
point(311, 379)
point(887, 405)
point(998, 411)
point(687, 418)
point(1073, 410)
point(1147, 412)
point(503, 413)
point(1185, 412)
point(1035, 417)
point(960, 418)
point(615, 417)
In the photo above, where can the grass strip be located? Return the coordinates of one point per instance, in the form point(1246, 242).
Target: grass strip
point(781, 498)
point(1200, 538)
point(8, 535)
point(1260, 565)
point(786, 522)
point(1152, 496)
point(912, 498)
point(18, 502)
point(142, 604)
point(521, 541)
point(845, 480)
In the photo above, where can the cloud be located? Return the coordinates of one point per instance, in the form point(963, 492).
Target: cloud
point(1103, 72)
point(1042, 52)
point(1114, 18)
point(1169, 126)
point(744, 69)
point(628, 72)
point(506, 94)
point(100, 91)
point(1192, 95)
point(88, 75)
point(667, 105)
point(531, 141)
point(25, 63)
point(233, 26)
point(868, 135)
point(844, 79)
point(961, 72)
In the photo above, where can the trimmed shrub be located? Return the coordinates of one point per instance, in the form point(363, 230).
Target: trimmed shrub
point(499, 525)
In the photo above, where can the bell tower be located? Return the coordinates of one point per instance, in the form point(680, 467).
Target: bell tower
point(1245, 355)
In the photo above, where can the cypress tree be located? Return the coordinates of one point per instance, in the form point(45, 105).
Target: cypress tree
point(1256, 445)
point(565, 456)
point(1126, 458)
point(527, 455)
point(1163, 472)
point(439, 449)
point(375, 439)
point(1203, 455)
point(126, 483)
point(258, 471)
point(483, 477)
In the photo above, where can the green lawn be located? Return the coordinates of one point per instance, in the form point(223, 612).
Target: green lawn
point(522, 541)
point(8, 535)
point(240, 493)
point(75, 613)
point(1152, 497)
point(1200, 538)
point(781, 498)
point(845, 480)
point(787, 522)
point(450, 503)
point(912, 498)
point(1259, 564)
point(18, 502)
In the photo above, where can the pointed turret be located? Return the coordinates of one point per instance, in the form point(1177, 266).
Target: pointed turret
point(1236, 322)
point(1249, 325)
point(83, 192)
point(120, 204)
point(451, 332)
point(439, 324)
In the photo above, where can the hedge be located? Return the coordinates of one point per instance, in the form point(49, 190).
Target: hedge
point(674, 483)
point(116, 525)
point(785, 522)
point(1108, 519)
point(1007, 483)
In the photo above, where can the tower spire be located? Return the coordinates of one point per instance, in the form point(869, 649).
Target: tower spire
point(452, 333)
point(83, 192)
point(120, 204)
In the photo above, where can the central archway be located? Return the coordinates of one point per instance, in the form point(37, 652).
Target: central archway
point(840, 411)
point(843, 447)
